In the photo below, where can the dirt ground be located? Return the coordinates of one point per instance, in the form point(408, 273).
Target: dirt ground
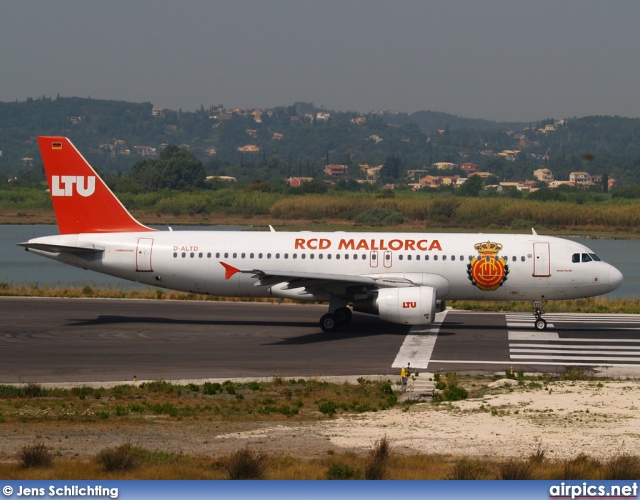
point(563, 418)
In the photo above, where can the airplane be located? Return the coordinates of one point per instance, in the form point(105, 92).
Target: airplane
point(404, 278)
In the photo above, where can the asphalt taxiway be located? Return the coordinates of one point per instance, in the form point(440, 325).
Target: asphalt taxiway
point(93, 340)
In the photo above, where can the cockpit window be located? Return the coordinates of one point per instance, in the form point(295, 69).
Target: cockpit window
point(595, 257)
point(586, 257)
point(575, 257)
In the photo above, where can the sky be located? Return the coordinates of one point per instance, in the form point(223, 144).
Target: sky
point(503, 60)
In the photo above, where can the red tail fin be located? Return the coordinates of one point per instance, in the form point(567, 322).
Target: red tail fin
point(81, 200)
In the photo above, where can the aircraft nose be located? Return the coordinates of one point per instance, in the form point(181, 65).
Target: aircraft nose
point(615, 278)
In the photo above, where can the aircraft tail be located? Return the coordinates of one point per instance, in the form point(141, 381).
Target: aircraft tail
point(83, 203)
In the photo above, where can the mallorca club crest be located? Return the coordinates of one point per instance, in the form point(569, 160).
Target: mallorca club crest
point(487, 271)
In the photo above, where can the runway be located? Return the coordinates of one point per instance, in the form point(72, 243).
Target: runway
point(99, 340)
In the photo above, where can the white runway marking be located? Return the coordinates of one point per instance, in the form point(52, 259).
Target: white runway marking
point(535, 335)
point(418, 345)
point(548, 347)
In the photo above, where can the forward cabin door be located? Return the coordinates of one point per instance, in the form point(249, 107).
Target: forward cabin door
point(541, 261)
point(143, 255)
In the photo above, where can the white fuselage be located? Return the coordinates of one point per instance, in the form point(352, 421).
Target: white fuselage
point(539, 267)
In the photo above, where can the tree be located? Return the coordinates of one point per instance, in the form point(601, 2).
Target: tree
point(391, 168)
point(175, 169)
point(471, 187)
point(492, 180)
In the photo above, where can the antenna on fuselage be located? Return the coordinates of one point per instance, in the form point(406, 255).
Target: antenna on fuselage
point(533, 231)
point(271, 228)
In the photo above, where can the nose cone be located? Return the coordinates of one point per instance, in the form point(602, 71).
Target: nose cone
point(615, 278)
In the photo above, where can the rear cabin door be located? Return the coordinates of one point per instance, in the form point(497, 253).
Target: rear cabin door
point(541, 262)
point(143, 255)
point(387, 259)
point(373, 259)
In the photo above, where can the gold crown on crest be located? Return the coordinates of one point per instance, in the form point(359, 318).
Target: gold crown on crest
point(488, 248)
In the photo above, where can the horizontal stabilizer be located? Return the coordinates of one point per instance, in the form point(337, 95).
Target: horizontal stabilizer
point(54, 248)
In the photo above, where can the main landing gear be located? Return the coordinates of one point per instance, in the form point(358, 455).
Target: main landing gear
point(331, 321)
point(539, 323)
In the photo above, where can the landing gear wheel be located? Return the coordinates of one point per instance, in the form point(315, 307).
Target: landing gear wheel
point(541, 324)
point(329, 323)
point(343, 315)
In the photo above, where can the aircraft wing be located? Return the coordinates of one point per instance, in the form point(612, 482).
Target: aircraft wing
point(294, 279)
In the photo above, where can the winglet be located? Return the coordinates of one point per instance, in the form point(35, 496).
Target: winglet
point(229, 270)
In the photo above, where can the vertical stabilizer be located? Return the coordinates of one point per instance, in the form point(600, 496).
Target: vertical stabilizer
point(83, 203)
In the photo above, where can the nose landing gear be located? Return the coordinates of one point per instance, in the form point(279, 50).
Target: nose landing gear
point(540, 324)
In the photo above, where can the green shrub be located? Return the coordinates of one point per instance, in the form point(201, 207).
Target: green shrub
point(327, 407)
point(33, 391)
point(455, 393)
point(342, 472)
point(379, 217)
point(210, 388)
point(10, 391)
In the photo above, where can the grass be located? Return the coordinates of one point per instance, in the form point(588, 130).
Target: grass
point(147, 405)
point(292, 399)
point(251, 464)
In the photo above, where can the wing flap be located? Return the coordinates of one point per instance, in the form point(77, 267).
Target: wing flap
point(267, 277)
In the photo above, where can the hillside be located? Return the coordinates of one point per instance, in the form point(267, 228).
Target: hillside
point(300, 139)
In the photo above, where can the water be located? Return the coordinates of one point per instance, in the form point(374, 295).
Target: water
point(18, 266)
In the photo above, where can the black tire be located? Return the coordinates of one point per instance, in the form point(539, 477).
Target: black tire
point(540, 324)
point(343, 315)
point(328, 323)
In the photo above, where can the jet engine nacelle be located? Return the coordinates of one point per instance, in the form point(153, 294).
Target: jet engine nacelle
point(414, 305)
